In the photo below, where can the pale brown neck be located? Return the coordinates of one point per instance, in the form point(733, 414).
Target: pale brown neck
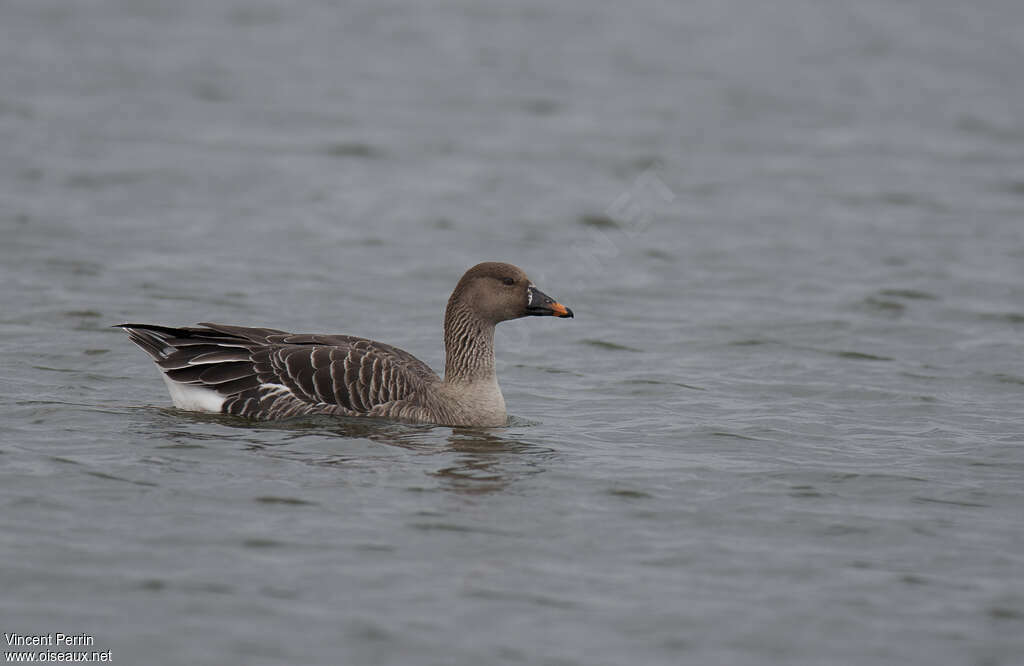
point(468, 345)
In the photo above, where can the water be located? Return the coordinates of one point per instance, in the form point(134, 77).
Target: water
point(785, 426)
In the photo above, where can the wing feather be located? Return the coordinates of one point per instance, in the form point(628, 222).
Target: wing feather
point(323, 384)
point(299, 369)
point(222, 355)
point(237, 386)
point(225, 372)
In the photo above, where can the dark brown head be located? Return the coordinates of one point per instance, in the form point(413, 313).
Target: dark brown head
point(496, 292)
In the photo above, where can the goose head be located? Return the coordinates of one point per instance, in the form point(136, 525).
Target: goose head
point(497, 292)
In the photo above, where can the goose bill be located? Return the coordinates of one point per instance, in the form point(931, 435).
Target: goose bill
point(539, 304)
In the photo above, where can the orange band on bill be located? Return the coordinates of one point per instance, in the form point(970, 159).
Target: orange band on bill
point(559, 309)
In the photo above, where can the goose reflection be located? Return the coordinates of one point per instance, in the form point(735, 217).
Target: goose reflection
point(488, 462)
point(484, 461)
point(467, 461)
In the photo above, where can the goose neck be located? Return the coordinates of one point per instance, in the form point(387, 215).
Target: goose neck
point(469, 346)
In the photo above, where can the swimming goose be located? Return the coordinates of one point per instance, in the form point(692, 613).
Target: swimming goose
point(267, 374)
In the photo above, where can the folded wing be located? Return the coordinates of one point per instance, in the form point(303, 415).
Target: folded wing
point(269, 374)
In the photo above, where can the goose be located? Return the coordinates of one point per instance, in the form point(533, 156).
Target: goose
point(268, 374)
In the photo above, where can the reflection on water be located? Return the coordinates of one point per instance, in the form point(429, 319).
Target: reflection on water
point(488, 462)
point(474, 461)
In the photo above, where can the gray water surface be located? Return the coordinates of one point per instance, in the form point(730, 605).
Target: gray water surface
point(785, 426)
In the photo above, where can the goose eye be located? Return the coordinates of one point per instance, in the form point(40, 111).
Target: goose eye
point(509, 282)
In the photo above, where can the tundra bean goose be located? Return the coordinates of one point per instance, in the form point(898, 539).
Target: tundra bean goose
point(267, 374)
